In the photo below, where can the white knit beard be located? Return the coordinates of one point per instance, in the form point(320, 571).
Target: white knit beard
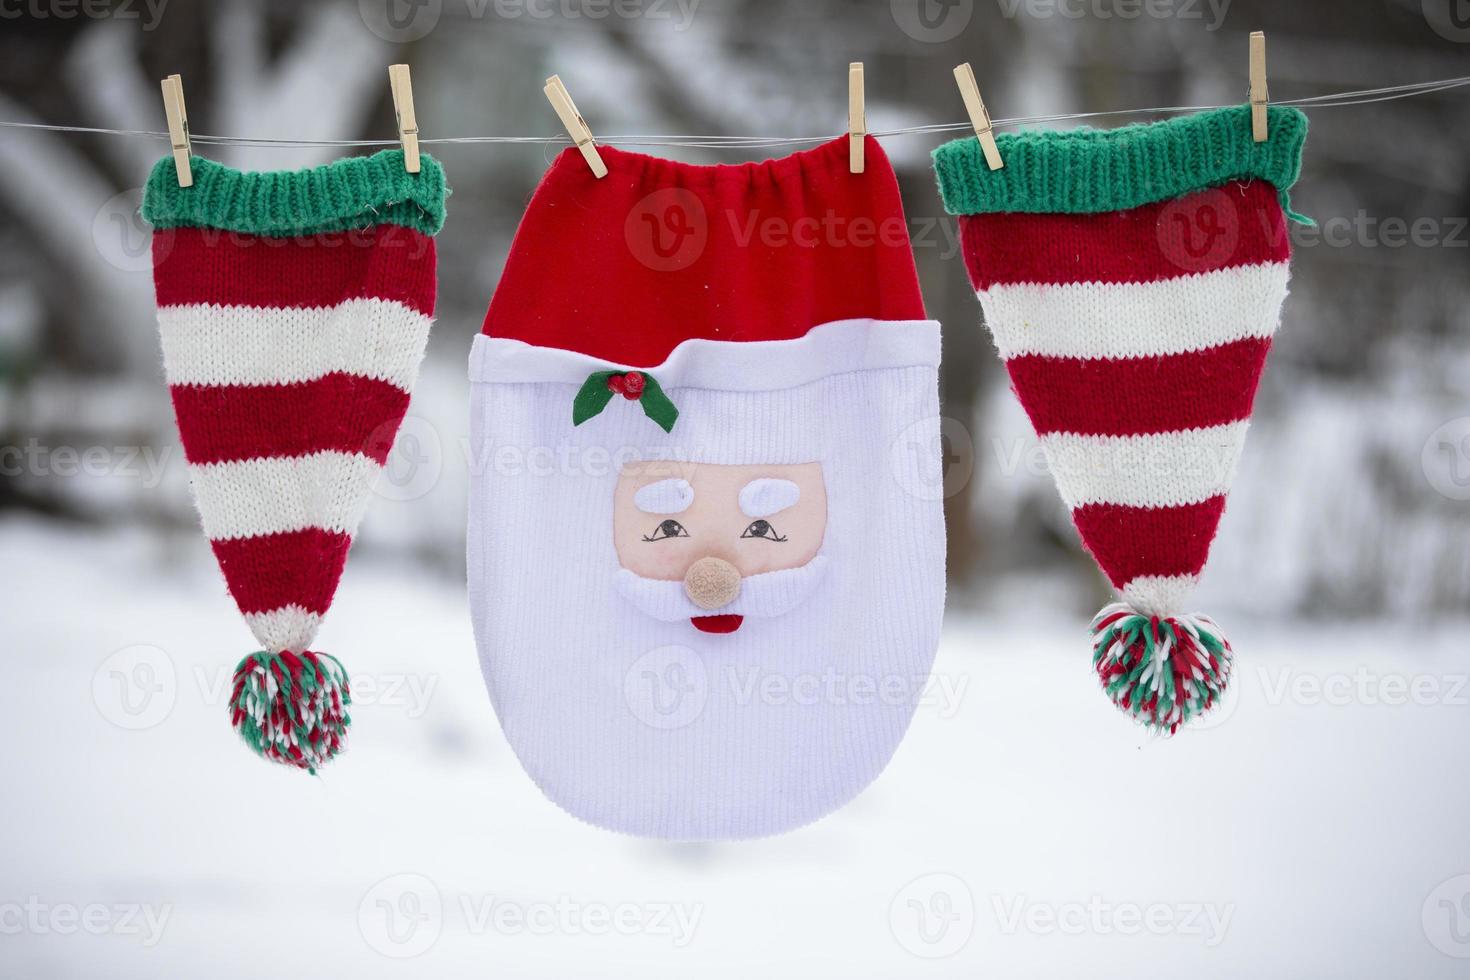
point(764, 595)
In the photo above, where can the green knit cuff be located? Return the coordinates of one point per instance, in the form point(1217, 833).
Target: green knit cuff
point(356, 192)
point(1086, 171)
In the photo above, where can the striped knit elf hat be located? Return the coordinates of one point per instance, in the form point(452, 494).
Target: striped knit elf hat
point(293, 309)
point(1132, 280)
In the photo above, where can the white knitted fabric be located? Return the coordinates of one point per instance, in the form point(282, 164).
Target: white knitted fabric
point(642, 723)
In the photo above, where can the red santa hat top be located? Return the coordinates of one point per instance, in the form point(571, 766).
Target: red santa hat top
point(626, 267)
point(690, 290)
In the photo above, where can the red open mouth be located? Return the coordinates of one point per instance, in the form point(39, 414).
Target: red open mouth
point(717, 624)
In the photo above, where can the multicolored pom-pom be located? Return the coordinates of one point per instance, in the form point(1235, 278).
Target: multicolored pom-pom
point(291, 708)
point(1162, 670)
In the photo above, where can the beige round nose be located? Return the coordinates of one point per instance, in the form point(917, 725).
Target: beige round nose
point(712, 582)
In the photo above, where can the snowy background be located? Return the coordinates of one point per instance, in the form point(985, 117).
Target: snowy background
point(1317, 826)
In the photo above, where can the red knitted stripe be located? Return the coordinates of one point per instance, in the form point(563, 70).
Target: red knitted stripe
point(1131, 541)
point(1237, 224)
point(276, 570)
point(206, 265)
point(1138, 396)
point(346, 412)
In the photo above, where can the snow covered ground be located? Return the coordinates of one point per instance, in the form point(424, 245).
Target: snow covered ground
point(1316, 828)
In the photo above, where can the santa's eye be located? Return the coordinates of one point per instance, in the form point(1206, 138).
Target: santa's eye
point(762, 529)
point(667, 529)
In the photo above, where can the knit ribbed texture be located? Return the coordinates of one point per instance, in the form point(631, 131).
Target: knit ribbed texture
point(353, 193)
point(1134, 307)
point(654, 728)
point(1136, 349)
point(290, 364)
point(1087, 171)
point(632, 705)
point(293, 311)
point(754, 251)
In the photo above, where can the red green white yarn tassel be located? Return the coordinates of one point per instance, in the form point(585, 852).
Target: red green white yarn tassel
point(292, 708)
point(1162, 670)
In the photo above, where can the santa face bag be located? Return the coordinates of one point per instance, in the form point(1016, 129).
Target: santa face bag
point(706, 546)
point(1132, 280)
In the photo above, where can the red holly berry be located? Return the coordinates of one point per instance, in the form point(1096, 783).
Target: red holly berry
point(629, 385)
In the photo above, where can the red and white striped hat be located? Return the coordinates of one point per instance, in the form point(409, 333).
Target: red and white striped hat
point(1132, 280)
point(293, 310)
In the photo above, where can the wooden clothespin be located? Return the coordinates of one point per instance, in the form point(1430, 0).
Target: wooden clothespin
point(178, 128)
point(561, 101)
point(401, 83)
point(857, 117)
point(1259, 95)
point(979, 118)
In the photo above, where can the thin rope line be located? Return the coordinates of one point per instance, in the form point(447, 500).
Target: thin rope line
point(1358, 97)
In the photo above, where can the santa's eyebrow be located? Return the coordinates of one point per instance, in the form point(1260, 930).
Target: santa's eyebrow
point(764, 497)
point(664, 497)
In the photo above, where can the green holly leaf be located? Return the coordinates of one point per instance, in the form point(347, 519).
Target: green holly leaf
point(656, 404)
point(593, 397)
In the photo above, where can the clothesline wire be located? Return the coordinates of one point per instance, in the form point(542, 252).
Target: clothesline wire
point(1358, 97)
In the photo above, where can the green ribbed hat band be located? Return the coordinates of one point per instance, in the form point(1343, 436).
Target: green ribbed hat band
point(1087, 171)
point(356, 192)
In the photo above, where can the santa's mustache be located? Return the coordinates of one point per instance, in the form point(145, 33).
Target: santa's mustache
point(763, 595)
